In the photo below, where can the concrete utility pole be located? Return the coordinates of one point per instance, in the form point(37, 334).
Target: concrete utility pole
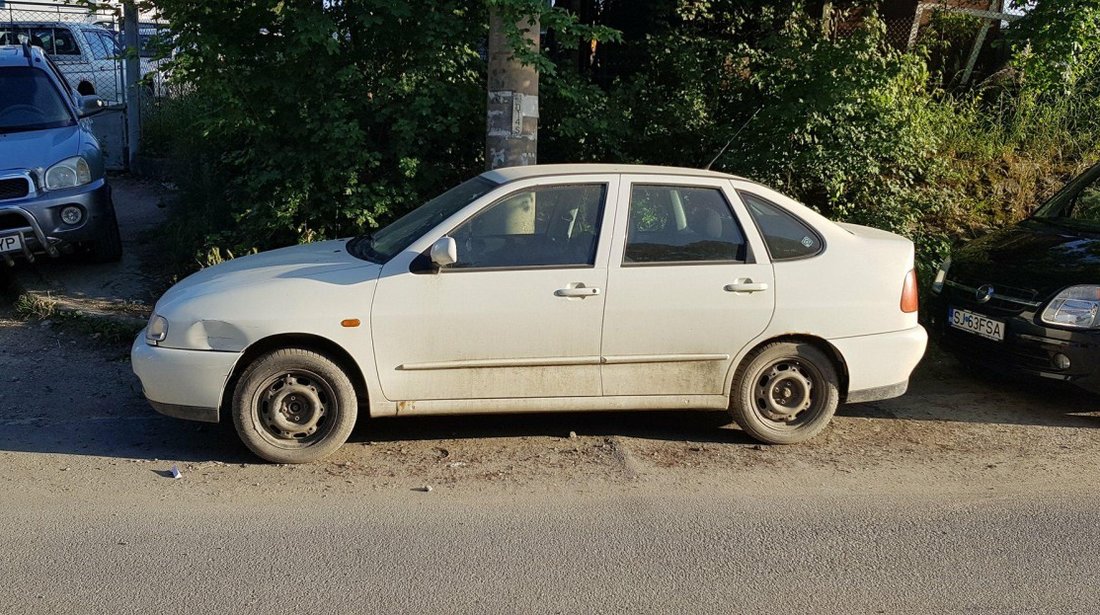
point(133, 90)
point(512, 122)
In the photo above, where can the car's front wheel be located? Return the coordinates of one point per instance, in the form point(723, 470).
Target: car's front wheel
point(108, 248)
point(294, 406)
point(785, 392)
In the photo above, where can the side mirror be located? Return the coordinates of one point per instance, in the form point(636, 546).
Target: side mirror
point(91, 105)
point(444, 252)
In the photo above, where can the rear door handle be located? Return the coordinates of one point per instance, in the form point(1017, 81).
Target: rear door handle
point(578, 290)
point(745, 285)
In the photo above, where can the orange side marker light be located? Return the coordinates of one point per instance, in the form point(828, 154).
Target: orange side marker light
point(909, 300)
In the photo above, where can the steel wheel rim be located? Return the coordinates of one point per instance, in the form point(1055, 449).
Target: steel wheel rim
point(295, 408)
point(788, 392)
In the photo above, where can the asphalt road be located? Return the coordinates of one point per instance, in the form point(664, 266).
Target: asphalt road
point(721, 552)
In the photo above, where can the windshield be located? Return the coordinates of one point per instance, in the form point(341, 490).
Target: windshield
point(29, 101)
point(388, 242)
point(1077, 205)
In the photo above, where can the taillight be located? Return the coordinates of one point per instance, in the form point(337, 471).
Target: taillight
point(909, 299)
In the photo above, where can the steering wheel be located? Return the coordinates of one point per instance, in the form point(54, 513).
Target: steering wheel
point(23, 109)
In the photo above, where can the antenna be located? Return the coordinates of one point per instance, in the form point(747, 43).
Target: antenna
point(730, 142)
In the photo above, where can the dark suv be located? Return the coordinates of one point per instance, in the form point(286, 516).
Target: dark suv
point(54, 196)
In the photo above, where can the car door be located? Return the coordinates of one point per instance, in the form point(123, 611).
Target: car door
point(689, 286)
point(100, 46)
point(519, 313)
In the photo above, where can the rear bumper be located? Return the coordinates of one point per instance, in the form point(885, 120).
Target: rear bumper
point(185, 384)
point(38, 218)
point(879, 365)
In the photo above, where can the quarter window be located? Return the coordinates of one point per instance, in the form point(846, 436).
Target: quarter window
point(544, 227)
point(787, 237)
point(679, 224)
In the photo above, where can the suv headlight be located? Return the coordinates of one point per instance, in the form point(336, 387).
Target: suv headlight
point(941, 275)
point(156, 330)
point(68, 173)
point(1076, 306)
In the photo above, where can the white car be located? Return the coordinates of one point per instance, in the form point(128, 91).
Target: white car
point(85, 53)
point(540, 289)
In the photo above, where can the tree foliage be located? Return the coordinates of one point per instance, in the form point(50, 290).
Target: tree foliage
point(1058, 45)
point(318, 119)
point(307, 120)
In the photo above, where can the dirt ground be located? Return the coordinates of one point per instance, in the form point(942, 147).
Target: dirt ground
point(80, 413)
point(75, 416)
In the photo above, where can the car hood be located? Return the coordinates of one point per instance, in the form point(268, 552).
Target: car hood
point(298, 267)
point(1033, 255)
point(38, 148)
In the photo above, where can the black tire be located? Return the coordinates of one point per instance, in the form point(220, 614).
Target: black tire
point(785, 392)
point(294, 406)
point(108, 248)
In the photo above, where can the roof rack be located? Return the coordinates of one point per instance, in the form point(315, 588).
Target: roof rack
point(27, 54)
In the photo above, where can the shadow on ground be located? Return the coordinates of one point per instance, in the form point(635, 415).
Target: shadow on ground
point(944, 389)
point(672, 425)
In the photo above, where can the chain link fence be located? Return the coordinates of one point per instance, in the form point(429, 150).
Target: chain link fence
point(82, 42)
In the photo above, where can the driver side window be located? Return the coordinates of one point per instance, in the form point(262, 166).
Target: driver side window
point(549, 226)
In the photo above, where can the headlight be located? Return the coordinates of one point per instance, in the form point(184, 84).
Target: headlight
point(1076, 306)
point(68, 173)
point(941, 275)
point(156, 330)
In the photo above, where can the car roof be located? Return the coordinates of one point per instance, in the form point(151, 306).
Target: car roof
point(509, 174)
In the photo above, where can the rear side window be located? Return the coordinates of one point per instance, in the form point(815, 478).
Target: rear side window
point(787, 237)
point(681, 224)
point(64, 43)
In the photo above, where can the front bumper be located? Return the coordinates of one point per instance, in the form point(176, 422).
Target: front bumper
point(37, 219)
point(1029, 347)
point(185, 384)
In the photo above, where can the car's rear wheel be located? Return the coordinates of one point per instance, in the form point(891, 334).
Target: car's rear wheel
point(785, 392)
point(294, 406)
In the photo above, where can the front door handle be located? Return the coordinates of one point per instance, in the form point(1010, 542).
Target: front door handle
point(577, 290)
point(745, 285)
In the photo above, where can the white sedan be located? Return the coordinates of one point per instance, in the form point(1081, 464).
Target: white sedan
point(543, 289)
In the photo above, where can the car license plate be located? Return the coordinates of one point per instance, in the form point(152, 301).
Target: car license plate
point(11, 243)
point(976, 324)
